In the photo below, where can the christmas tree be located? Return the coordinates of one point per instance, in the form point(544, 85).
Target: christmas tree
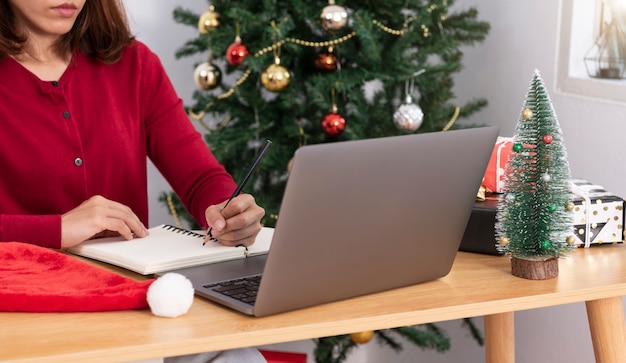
point(533, 219)
point(299, 72)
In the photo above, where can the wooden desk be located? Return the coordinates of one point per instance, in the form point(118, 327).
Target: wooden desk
point(478, 285)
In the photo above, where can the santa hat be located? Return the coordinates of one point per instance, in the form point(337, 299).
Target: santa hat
point(37, 279)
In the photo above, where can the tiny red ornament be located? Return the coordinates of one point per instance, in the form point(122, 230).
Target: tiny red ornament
point(236, 52)
point(547, 139)
point(326, 62)
point(333, 124)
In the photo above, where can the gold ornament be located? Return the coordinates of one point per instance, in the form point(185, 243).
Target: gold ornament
point(276, 77)
point(571, 240)
point(208, 21)
point(362, 337)
point(504, 241)
point(569, 206)
point(207, 75)
point(527, 114)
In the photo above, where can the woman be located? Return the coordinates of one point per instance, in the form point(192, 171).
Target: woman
point(82, 104)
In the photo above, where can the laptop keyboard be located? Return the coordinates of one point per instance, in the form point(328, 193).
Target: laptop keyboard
point(243, 289)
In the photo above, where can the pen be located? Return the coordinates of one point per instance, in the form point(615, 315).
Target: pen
point(243, 181)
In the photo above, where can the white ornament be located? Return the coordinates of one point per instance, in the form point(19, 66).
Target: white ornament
point(546, 177)
point(170, 295)
point(334, 17)
point(409, 116)
point(207, 75)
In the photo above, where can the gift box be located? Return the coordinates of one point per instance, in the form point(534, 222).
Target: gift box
point(494, 174)
point(480, 234)
point(597, 215)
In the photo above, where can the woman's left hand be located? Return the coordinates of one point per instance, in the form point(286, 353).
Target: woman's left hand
point(238, 223)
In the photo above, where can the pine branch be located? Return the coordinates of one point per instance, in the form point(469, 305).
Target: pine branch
point(430, 338)
point(333, 349)
point(184, 16)
point(476, 333)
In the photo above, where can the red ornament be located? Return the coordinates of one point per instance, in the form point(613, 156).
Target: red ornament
point(333, 124)
point(236, 52)
point(326, 62)
point(547, 139)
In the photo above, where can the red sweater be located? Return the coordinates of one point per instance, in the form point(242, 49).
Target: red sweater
point(90, 133)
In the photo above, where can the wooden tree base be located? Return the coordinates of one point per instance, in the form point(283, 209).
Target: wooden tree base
point(535, 268)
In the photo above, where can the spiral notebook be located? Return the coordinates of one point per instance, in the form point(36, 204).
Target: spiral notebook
point(167, 248)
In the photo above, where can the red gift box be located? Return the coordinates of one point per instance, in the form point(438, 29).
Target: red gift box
point(494, 175)
point(273, 356)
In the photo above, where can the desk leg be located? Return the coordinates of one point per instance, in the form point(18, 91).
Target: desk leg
point(500, 338)
point(608, 333)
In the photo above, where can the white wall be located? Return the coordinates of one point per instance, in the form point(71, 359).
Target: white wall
point(523, 38)
point(152, 23)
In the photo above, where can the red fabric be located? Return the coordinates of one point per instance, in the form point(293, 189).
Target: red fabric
point(273, 356)
point(90, 133)
point(37, 279)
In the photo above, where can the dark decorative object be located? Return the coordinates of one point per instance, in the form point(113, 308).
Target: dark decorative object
point(607, 56)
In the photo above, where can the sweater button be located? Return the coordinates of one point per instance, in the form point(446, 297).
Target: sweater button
point(66, 114)
point(78, 161)
point(55, 83)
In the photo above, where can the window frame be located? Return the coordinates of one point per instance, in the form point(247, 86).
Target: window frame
point(569, 77)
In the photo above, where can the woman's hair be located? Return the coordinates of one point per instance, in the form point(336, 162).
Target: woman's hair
point(101, 31)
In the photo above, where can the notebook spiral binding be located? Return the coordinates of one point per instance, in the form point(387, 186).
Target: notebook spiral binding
point(187, 232)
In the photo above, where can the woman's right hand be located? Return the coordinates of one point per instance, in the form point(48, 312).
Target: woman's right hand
point(99, 217)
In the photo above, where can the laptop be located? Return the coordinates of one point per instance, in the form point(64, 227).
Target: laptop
point(359, 217)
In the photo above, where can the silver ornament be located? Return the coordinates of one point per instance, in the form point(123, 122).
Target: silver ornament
point(409, 116)
point(334, 17)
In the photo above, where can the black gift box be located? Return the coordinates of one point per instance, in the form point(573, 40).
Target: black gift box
point(479, 234)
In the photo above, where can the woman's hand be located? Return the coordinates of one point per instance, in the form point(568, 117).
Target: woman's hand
point(99, 217)
point(238, 223)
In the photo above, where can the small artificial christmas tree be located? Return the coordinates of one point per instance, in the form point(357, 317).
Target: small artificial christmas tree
point(533, 222)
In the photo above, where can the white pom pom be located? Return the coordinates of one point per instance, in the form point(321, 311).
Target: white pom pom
point(171, 295)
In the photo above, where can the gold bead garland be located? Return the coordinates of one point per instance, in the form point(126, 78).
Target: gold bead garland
point(170, 205)
point(405, 27)
point(305, 43)
point(239, 82)
point(200, 115)
point(455, 115)
point(398, 32)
